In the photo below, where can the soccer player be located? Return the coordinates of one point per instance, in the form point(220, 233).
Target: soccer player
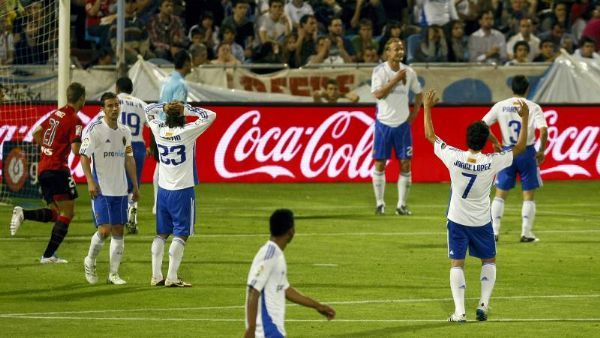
point(175, 206)
point(107, 146)
point(268, 286)
point(133, 116)
point(58, 135)
point(469, 224)
point(526, 165)
point(391, 82)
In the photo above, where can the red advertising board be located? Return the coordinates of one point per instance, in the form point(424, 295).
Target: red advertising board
point(333, 144)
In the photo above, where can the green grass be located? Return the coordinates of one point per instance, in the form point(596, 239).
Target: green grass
point(386, 276)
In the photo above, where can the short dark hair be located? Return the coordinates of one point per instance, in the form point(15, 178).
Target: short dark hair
point(271, 2)
point(304, 19)
point(180, 58)
point(331, 82)
point(520, 84)
point(107, 96)
point(477, 135)
point(365, 22)
point(521, 43)
point(281, 221)
point(124, 85)
point(546, 41)
point(586, 39)
point(75, 91)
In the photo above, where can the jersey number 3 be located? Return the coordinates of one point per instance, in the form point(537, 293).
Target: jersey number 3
point(515, 130)
point(179, 151)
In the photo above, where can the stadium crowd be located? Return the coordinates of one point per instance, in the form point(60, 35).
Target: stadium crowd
point(301, 32)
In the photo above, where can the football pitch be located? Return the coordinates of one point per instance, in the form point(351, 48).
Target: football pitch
point(386, 276)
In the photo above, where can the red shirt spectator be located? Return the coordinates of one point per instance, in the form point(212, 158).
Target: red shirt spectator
point(592, 29)
point(95, 10)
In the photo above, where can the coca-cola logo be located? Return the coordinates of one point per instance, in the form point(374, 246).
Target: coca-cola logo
point(322, 150)
point(571, 144)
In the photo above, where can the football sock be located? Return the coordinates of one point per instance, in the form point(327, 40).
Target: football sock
point(129, 200)
point(96, 245)
point(528, 215)
point(497, 212)
point(117, 245)
point(155, 184)
point(458, 286)
point(378, 186)
point(59, 231)
point(404, 181)
point(175, 256)
point(40, 215)
point(488, 279)
point(158, 250)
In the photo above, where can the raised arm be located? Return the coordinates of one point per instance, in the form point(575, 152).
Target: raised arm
point(522, 141)
point(430, 99)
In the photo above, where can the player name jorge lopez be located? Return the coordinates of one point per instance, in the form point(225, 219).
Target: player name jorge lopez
point(473, 167)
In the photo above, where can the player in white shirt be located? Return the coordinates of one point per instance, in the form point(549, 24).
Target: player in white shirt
point(469, 223)
point(390, 84)
point(526, 165)
point(175, 203)
point(107, 148)
point(268, 286)
point(133, 116)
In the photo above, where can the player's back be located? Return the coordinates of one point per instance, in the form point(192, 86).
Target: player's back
point(506, 114)
point(59, 130)
point(133, 115)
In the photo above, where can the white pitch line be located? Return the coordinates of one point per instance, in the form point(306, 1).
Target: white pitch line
point(310, 234)
point(352, 302)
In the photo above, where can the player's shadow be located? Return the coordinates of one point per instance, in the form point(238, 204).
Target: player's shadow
point(394, 331)
point(331, 216)
point(92, 292)
point(66, 287)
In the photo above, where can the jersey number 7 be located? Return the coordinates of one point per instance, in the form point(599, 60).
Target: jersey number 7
point(472, 178)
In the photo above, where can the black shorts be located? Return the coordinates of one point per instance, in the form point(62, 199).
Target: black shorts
point(57, 185)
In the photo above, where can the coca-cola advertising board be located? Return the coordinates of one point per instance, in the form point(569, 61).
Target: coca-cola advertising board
point(334, 143)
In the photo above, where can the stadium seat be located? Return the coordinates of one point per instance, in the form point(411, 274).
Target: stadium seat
point(412, 43)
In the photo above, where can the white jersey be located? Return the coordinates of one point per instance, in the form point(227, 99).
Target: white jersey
point(268, 275)
point(133, 115)
point(392, 110)
point(471, 177)
point(107, 148)
point(505, 113)
point(177, 146)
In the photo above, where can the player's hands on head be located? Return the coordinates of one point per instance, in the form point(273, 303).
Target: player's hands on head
point(174, 108)
point(430, 99)
point(326, 311)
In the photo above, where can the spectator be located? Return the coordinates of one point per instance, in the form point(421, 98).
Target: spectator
point(586, 49)
point(136, 37)
point(209, 30)
point(322, 53)
point(592, 29)
point(487, 44)
point(270, 52)
point(511, 17)
point(296, 9)
point(199, 54)
point(166, 31)
point(261, 8)
point(371, 10)
point(146, 10)
point(396, 10)
point(32, 35)
point(273, 26)
point(525, 34)
point(458, 43)
point(99, 16)
point(331, 94)
point(306, 44)
point(468, 12)
point(437, 12)
point(103, 57)
point(547, 52)
point(224, 56)
point(288, 54)
point(370, 55)
point(521, 53)
point(326, 10)
point(7, 45)
point(198, 35)
point(340, 46)
point(559, 15)
point(244, 28)
point(364, 39)
point(433, 48)
point(559, 37)
point(197, 10)
point(10, 10)
point(393, 29)
point(228, 37)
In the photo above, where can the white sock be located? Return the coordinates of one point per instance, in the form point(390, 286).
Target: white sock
point(458, 286)
point(528, 215)
point(117, 245)
point(129, 199)
point(497, 212)
point(96, 245)
point(175, 256)
point(155, 184)
point(158, 250)
point(378, 186)
point(404, 181)
point(488, 279)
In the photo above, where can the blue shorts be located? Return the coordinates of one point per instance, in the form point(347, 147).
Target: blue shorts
point(139, 155)
point(175, 211)
point(386, 137)
point(109, 210)
point(526, 166)
point(479, 240)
